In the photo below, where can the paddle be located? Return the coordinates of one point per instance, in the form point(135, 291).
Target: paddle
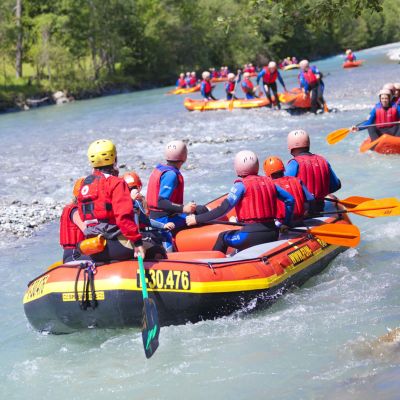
point(351, 201)
point(370, 145)
point(151, 327)
point(340, 134)
point(388, 207)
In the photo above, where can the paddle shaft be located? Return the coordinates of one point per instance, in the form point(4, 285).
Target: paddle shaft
point(383, 123)
point(142, 277)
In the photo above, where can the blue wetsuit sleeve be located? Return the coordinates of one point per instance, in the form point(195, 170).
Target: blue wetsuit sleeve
point(203, 90)
point(168, 183)
point(280, 79)
point(234, 195)
point(370, 120)
point(156, 224)
point(292, 168)
point(334, 181)
point(309, 196)
point(303, 83)
point(288, 199)
point(260, 75)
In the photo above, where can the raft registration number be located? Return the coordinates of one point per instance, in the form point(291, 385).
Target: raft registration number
point(300, 255)
point(165, 279)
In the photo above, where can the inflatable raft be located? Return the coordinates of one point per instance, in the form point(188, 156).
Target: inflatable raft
point(193, 284)
point(352, 64)
point(385, 144)
point(201, 105)
point(291, 66)
point(295, 99)
point(185, 90)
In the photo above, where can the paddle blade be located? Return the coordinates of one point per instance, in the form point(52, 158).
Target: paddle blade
point(338, 234)
point(326, 109)
point(369, 145)
point(338, 135)
point(231, 105)
point(354, 201)
point(389, 207)
point(150, 328)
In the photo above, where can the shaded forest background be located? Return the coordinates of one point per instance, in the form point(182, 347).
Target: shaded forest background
point(86, 45)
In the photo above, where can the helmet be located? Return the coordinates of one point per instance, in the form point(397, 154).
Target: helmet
point(396, 86)
point(102, 152)
point(133, 180)
point(246, 75)
point(273, 165)
point(246, 163)
point(298, 139)
point(77, 186)
point(304, 64)
point(387, 92)
point(231, 76)
point(389, 86)
point(176, 151)
point(182, 75)
point(272, 64)
point(205, 75)
point(193, 73)
point(348, 51)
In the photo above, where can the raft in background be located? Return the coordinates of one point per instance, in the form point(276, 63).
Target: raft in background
point(185, 90)
point(352, 64)
point(385, 144)
point(202, 105)
point(191, 285)
point(291, 66)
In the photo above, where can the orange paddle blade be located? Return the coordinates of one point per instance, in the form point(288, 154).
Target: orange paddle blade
point(354, 201)
point(338, 135)
point(338, 234)
point(369, 145)
point(326, 109)
point(389, 207)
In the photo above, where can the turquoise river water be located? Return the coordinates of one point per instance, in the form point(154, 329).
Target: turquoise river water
point(316, 342)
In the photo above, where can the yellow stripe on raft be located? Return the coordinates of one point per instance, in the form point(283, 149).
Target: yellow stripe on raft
point(117, 283)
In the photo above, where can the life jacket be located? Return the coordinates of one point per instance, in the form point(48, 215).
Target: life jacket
point(247, 86)
point(385, 115)
point(259, 203)
point(214, 74)
point(350, 57)
point(229, 87)
point(310, 77)
point(314, 173)
point(192, 82)
point(94, 201)
point(153, 188)
point(207, 87)
point(293, 186)
point(270, 77)
point(181, 83)
point(70, 234)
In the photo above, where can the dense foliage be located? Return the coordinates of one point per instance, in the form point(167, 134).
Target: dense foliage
point(77, 43)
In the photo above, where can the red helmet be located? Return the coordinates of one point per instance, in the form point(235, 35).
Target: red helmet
point(273, 165)
point(133, 180)
point(246, 163)
point(77, 186)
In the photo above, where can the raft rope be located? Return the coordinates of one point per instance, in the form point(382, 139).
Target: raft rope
point(88, 290)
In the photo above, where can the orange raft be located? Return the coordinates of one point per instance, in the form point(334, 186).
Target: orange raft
point(185, 90)
point(352, 64)
point(295, 99)
point(191, 285)
point(385, 144)
point(202, 105)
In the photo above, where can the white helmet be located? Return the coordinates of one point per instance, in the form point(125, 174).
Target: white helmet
point(246, 163)
point(272, 65)
point(205, 75)
point(396, 86)
point(176, 151)
point(246, 75)
point(386, 92)
point(304, 64)
point(298, 139)
point(231, 76)
point(389, 86)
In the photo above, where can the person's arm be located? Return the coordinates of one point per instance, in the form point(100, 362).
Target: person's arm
point(288, 199)
point(369, 121)
point(168, 183)
point(307, 194)
point(76, 219)
point(292, 168)
point(203, 90)
point(234, 195)
point(280, 79)
point(260, 75)
point(303, 83)
point(334, 181)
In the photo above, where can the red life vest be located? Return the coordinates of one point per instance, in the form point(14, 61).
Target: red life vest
point(314, 173)
point(181, 83)
point(230, 87)
point(259, 203)
point(214, 74)
point(388, 115)
point(247, 86)
point(293, 186)
point(153, 188)
point(350, 57)
point(192, 82)
point(70, 234)
point(270, 77)
point(94, 201)
point(207, 87)
point(310, 77)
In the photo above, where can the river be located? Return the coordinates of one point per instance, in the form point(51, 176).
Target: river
point(315, 342)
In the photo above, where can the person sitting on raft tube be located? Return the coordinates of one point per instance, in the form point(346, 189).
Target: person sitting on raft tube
point(105, 205)
point(350, 56)
point(165, 191)
point(230, 86)
point(255, 199)
point(312, 169)
point(149, 228)
point(310, 82)
point(181, 82)
point(384, 112)
point(274, 168)
point(269, 75)
point(206, 87)
point(71, 226)
point(248, 87)
point(193, 79)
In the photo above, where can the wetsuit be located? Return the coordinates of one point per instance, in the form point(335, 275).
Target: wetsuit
point(311, 84)
point(380, 114)
point(254, 232)
point(269, 83)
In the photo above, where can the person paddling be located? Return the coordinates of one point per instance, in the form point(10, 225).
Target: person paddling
point(269, 76)
point(350, 56)
point(230, 86)
point(181, 82)
point(383, 112)
point(255, 199)
point(312, 169)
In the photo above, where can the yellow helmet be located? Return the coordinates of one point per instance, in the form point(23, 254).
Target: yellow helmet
point(102, 152)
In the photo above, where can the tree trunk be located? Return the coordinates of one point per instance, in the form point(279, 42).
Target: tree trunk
point(18, 55)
